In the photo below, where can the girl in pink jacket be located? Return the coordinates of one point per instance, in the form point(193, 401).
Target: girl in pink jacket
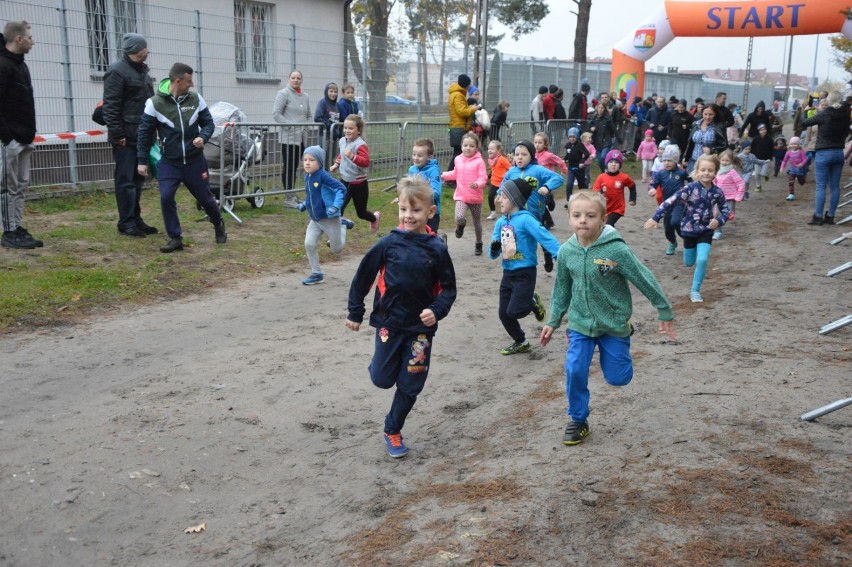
point(795, 164)
point(730, 182)
point(647, 152)
point(470, 177)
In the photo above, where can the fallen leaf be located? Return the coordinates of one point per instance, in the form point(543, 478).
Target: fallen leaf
point(61, 309)
point(76, 297)
point(195, 529)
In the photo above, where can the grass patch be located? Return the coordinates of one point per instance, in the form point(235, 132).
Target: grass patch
point(86, 267)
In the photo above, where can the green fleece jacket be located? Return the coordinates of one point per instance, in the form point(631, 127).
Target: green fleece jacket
point(591, 286)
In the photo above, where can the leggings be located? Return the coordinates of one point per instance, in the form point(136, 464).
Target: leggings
point(290, 155)
point(696, 252)
point(475, 213)
point(358, 192)
point(612, 218)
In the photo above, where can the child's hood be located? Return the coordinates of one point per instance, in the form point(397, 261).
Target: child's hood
point(325, 93)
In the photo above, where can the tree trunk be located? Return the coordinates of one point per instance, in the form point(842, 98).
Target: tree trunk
point(581, 37)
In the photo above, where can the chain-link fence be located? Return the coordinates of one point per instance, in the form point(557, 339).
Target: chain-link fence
point(242, 52)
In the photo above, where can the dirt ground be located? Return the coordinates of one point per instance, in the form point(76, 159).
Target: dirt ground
point(250, 410)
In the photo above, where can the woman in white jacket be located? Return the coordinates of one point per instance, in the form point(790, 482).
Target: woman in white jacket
point(292, 106)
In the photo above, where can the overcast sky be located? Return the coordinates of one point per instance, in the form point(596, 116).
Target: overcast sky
point(612, 20)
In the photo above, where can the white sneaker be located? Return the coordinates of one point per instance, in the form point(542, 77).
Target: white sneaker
point(717, 235)
point(695, 297)
point(492, 216)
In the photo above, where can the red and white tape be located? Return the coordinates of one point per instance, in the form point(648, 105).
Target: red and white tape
point(67, 135)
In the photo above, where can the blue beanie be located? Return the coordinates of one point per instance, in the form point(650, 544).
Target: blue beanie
point(574, 132)
point(318, 153)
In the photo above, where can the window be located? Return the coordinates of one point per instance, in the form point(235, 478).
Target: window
point(106, 22)
point(252, 41)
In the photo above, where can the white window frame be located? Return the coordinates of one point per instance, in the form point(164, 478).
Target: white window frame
point(254, 24)
point(106, 22)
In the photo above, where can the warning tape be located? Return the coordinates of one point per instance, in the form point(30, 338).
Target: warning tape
point(67, 135)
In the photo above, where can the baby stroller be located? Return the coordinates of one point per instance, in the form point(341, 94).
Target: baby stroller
point(231, 152)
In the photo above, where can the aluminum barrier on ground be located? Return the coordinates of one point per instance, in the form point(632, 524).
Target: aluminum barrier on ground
point(556, 130)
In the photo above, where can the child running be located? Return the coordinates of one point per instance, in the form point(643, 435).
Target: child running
point(551, 161)
point(664, 184)
point(750, 164)
point(705, 210)
point(593, 269)
point(647, 152)
point(612, 184)
point(795, 165)
point(515, 239)
point(499, 164)
point(324, 196)
point(353, 162)
point(576, 155)
point(586, 138)
point(416, 288)
point(423, 163)
point(542, 180)
point(731, 183)
point(658, 161)
point(470, 177)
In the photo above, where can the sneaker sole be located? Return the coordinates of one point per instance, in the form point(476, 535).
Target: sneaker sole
point(19, 247)
point(313, 283)
point(571, 442)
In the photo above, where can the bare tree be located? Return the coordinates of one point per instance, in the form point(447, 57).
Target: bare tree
point(581, 38)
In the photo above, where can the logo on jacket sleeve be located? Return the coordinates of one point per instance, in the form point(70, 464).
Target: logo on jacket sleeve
point(605, 265)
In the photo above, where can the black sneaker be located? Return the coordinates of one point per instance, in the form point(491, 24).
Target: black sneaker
point(132, 231)
point(575, 433)
point(14, 239)
point(460, 228)
point(221, 235)
point(38, 243)
point(147, 229)
point(173, 244)
point(827, 219)
point(477, 251)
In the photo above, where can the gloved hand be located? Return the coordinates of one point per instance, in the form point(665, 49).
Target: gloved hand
point(332, 212)
point(302, 206)
point(496, 245)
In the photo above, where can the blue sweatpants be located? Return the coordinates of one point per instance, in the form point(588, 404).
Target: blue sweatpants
point(616, 365)
point(400, 359)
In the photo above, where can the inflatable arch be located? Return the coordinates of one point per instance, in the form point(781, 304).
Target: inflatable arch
point(700, 18)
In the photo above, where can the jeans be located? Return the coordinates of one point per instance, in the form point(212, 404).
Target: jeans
point(616, 366)
point(601, 157)
point(828, 167)
point(128, 187)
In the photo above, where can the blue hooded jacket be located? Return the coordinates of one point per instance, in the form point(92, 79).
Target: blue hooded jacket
point(432, 172)
point(324, 195)
point(520, 234)
point(543, 178)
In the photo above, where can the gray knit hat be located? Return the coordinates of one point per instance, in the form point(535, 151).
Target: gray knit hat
point(133, 43)
point(318, 153)
point(671, 153)
point(517, 190)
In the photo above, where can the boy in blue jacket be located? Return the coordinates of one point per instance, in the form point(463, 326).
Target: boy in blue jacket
point(424, 164)
point(664, 184)
point(415, 289)
point(542, 180)
point(516, 237)
point(324, 196)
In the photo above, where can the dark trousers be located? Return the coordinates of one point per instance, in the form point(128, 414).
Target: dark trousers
point(400, 359)
point(128, 187)
point(612, 218)
point(434, 222)
point(492, 194)
point(578, 174)
point(358, 193)
point(671, 227)
point(291, 155)
point(195, 176)
point(516, 300)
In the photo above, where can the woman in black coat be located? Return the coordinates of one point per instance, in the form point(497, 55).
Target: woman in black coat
point(603, 131)
point(681, 126)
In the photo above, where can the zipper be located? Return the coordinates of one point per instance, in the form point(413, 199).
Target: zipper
point(182, 132)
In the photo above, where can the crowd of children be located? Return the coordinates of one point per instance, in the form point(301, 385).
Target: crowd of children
point(416, 281)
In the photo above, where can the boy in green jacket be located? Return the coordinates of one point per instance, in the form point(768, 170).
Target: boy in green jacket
point(594, 266)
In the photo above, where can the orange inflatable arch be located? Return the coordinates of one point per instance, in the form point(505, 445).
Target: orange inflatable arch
point(699, 18)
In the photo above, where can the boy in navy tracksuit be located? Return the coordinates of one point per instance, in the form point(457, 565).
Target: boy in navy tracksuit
point(415, 289)
point(324, 196)
point(516, 237)
point(664, 184)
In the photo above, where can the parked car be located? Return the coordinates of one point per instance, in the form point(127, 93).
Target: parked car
point(393, 99)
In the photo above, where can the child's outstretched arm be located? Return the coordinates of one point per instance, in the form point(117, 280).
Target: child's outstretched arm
point(640, 276)
point(361, 284)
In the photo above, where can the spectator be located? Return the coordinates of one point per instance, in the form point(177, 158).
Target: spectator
point(17, 132)
point(127, 85)
point(461, 115)
point(327, 113)
point(603, 131)
point(726, 117)
point(578, 109)
point(659, 119)
point(707, 137)
point(292, 106)
point(498, 119)
point(680, 126)
point(756, 118)
point(548, 103)
point(537, 109)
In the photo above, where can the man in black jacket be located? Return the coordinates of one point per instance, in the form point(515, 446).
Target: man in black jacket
point(17, 132)
point(127, 85)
